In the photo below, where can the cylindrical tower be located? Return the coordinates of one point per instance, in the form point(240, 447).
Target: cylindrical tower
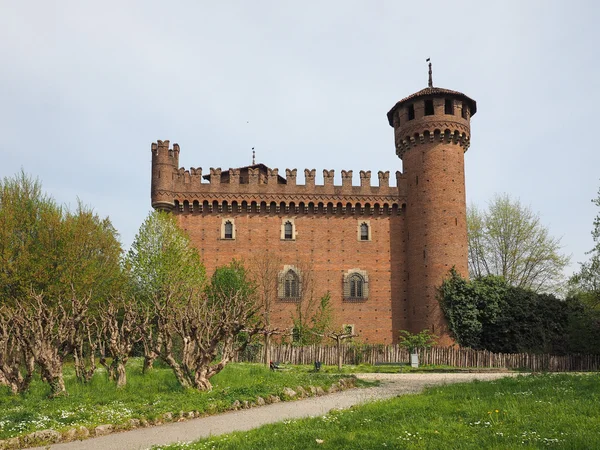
point(164, 164)
point(432, 132)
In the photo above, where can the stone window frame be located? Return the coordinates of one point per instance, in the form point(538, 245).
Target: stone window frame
point(347, 287)
point(282, 230)
point(348, 328)
point(282, 288)
point(224, 222)
point(359, 230)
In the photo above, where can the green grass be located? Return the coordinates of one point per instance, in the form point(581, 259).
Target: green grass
point(537, 411)
point(146, 396)
point(395, 368)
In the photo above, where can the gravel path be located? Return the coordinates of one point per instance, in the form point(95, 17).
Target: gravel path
point(391, 385)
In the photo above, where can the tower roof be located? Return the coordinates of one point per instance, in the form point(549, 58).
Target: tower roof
point(432, 91)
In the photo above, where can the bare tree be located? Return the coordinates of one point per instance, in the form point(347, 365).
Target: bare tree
point(264, 270)
point(16, 363)
point(210, 327)
point(338, 337)
point(86, 344)
point(509, 240)
point(313, 313)
point(49, 333)
point(120, 330)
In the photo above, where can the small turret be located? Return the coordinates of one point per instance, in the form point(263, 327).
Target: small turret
point(164, 167)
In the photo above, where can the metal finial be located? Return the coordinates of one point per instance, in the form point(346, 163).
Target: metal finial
point(253, 156)
point(430, 73)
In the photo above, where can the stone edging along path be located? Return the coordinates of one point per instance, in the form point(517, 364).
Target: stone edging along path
point(391, 385)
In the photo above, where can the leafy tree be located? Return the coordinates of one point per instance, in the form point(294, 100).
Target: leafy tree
point(586, 283)
point(54, 264)
point(584, 292)
point(414, 342)
point(165, 272)
point(488, 314)
point(469, 305)
point(509, 240)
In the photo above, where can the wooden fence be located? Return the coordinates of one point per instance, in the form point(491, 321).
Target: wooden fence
point(450, 356)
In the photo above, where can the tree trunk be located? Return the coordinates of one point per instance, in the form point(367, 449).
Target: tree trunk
point(339, 354)
point(201, 381)
point(149, 359)
point(57, 386)
point(121, 374)
point(178, 371)
point(51, 372)
point(267, 349)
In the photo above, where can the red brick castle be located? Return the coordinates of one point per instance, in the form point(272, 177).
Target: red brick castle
point(381, 251)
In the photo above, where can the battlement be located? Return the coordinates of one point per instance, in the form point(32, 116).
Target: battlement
point(259, 182)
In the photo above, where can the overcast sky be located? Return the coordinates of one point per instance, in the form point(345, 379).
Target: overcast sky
point(86, 87)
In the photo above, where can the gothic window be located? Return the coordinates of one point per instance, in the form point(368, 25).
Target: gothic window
point(364, 230)
point(287, 230)
point(356, 285)
point(228, 229)
point(289, 284)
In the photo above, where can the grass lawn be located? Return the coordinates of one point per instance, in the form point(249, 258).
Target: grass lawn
point(537, 411)
point(146, 396)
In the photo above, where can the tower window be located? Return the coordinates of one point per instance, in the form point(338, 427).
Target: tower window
point(356, 285)
point(411, 112)
point(287, 230)
point(449, 106)
point(465, 111)
point(429, 107)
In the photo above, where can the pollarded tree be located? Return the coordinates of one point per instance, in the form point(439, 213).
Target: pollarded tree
point(509, 240)
point(213, 327)
point(165, 272)
point(54, 262)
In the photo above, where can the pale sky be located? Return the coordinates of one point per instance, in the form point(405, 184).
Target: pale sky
point(86, 87)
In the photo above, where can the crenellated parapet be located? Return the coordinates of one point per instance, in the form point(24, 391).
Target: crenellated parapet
point(172, 186)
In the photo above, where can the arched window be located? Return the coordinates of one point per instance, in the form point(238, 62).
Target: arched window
point(364, 231)
point(356, 285)
point(289, 284)
point(288, 230)
point(228, 234)
point(292, 284)
point(228, 229)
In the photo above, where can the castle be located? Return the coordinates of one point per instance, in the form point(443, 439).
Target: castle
point(381, 251)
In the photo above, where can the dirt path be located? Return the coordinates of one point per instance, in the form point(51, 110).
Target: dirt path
point(391, 385)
